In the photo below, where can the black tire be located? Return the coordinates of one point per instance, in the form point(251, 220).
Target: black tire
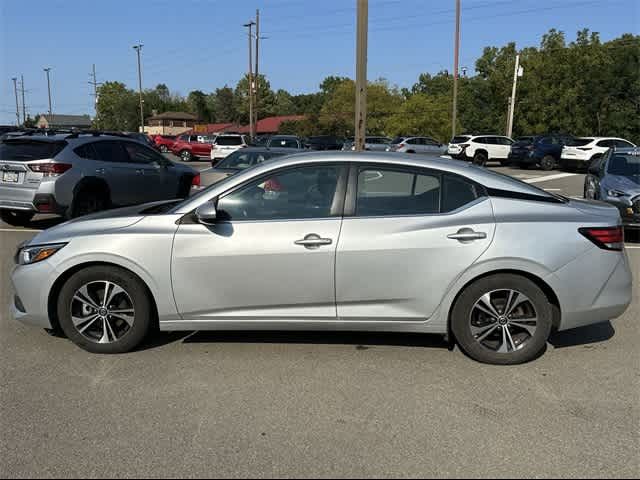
point(136, 291)
point(529, 348)
point(16, 218)
point(547, 163)
point(480, 158)
point(164, 149)
point(88, 201)
point(185, 156)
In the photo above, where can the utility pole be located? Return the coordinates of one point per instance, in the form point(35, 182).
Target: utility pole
point(24, 105)
point(48, 69)
point(255, 92)
point(251, 86)
point(456, 64)
point(361, 74)
point(15, 88)
point(138, 49)
point(512, 101)
point(95, 84)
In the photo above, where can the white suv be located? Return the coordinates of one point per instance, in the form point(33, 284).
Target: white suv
point(225, 145)
point(480, 148)
point(580, 152)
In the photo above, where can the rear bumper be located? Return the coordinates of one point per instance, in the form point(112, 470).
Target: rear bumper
point(584, 299)
point(40, 203)
point(574, 162)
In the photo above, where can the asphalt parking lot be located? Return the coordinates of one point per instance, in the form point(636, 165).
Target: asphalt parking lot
point(319, 405)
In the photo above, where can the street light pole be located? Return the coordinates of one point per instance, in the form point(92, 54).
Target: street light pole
point(361, 75)
point(251, 126)
point(512, 100)
point(48, 69)
point(15, 88)
point(456, 64)
point(255, 93)
point(24, 105)
point(138, 49)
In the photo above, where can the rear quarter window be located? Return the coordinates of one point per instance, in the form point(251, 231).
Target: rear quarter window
point(228, 141)
point(26, 150)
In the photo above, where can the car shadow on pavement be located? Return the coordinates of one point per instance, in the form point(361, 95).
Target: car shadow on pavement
point(362, 341)
point(599, 332)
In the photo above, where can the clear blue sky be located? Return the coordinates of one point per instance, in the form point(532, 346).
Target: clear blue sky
point(201, 44)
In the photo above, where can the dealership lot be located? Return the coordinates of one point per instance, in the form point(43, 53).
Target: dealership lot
point(329, 404)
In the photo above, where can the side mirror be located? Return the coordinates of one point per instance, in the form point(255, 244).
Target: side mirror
point(207, 213)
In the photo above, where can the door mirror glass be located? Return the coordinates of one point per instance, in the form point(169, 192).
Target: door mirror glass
point(207, 213)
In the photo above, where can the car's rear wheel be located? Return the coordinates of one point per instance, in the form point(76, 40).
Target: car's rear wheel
point(16, 218)
point(88, 201)
point(480, 158)
point(185, 156)
point(547, 163)
point(503, 319)
point(105, 309)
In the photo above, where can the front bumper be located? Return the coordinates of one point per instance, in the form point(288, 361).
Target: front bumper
point(32, 284)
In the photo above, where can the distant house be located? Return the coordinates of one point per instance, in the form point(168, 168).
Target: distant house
point(216, 128)
point(64, 121)
point(170, 123)
point(271, 125)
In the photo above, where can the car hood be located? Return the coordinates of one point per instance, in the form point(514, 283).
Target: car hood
point(96, 223)
point(629, 185)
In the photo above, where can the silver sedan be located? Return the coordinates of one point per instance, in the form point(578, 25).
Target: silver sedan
point(335, 241)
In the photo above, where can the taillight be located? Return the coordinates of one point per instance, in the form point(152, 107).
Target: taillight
point(607, 238)
point(49, 169)
point(195, 181)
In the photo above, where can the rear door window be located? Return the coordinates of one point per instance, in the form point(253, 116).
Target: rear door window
point(87, 151)
point(24, 150)
point(111, 151)
point(387, 192)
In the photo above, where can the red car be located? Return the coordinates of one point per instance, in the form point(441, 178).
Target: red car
point(164, 142)
point(190, 147)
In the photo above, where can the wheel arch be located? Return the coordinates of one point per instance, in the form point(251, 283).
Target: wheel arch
point(92, 182)
point(54, 292)
point(539, 281)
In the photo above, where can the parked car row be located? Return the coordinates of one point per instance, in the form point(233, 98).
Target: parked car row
point(544, 151)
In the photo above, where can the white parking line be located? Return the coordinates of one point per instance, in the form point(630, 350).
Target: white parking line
point(550, 177)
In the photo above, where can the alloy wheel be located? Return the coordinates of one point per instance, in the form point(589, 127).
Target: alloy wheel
point(503, 321)
point(102, 311)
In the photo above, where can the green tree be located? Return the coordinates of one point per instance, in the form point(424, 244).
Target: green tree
point(197, 104)
point(266, 98)
point(117, 107)
point(223, 103)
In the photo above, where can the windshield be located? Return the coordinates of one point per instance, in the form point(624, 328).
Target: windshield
point(229, 141)
point(25, 150)
point(242, 159)
point(626, 165)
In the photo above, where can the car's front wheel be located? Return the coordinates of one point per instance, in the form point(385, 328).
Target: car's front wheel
point(502, 319)
point(16, 218)
point(105, 309)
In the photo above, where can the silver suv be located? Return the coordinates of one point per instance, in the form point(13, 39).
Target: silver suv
point(78, 174)
point(417, 145)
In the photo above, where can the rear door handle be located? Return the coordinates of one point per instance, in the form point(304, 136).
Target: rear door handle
point(140, 172)
point(100, 171)
point(467, 235)
point(313, 241)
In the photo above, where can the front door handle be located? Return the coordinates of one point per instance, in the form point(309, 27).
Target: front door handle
point(313, 241)
point(467, 235)
point(100, 171)
point(140, 172)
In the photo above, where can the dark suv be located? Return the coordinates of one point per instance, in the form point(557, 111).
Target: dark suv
point(541, 150)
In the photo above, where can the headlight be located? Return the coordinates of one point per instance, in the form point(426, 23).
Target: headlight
point(616, 193)
point(38, 253)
